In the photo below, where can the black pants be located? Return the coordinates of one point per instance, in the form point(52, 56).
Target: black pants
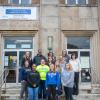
point(42, 90)
point(68, 93)
point(76, 84)
point(51, 92)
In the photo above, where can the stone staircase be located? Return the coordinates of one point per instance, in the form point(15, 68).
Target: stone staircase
point(12, 93)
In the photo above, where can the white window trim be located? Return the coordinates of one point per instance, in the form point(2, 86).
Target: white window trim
point(66, 2)
point(76, 2)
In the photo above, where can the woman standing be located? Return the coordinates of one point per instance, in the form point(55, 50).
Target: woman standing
point(75, 63)
point(67, 78)
point(33, 79)
point(23, 77)
point(26, 57)
point(52, 82)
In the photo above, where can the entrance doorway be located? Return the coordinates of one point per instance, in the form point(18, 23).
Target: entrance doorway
point(81, 47)
point(14, 50)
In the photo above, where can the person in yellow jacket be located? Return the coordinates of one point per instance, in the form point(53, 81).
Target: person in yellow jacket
point(42, 69)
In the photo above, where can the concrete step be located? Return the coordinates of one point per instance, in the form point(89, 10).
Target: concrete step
point(79, 97)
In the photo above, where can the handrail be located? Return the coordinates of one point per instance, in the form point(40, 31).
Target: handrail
point(3, 80)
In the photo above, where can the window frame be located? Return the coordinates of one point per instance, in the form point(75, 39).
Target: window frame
point(20, 2)
point(77, 2)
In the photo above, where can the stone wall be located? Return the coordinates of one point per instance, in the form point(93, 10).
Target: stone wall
point(79, 18)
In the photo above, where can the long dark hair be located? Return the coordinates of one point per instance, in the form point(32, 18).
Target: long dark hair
point(73, 54)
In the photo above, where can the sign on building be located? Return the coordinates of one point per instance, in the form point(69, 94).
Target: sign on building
point(18, 13)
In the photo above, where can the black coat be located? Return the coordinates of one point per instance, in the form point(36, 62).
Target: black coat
point(33, 79)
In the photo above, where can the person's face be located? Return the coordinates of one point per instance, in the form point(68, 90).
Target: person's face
point(67, 66)
point(34, 67)
point(42, 62)
point(52, 67)
point(27, 54)
point(26, 64)
point(73, 57)
point(64, 52)
point(60, 58)
point(39, 52)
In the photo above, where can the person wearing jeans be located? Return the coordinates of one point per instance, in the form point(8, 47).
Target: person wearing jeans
point(67, 78)
point(42, 69)
point(33, 79)
point(23, 77)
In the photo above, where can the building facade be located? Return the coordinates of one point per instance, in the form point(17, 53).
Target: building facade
point(74, 25)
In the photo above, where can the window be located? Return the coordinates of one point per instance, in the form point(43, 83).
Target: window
point(71, 2)
point(78, 43)
point(18, 43)
point(74, 2)
point(14, 1)
point(22, 2)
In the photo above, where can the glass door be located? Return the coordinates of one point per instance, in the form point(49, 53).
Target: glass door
point(84, 57)
point(10, 64)
point(14, 50)
point(85, 66)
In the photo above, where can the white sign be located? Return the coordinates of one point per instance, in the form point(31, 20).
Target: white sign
point(85, 62)
point(25, 46)
point(18, 13)
point(12, 46)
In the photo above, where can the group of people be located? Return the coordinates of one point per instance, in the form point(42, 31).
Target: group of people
point(46, 78)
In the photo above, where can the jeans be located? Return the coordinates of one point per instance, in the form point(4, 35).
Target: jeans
point(23, 90)
point(42, 90)
point(32, 93)
point(51, 92)
point(76, 84)
point(68, 93)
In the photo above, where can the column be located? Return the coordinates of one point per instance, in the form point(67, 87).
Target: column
point(50, 25)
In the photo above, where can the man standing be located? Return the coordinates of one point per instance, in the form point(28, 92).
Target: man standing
point(38, 57)
point(65, 56)
point(42, 69)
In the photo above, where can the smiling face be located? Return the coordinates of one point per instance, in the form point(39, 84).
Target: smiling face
point(68, 67)
point(27, 54)
point(42, 62)
point(52, 67)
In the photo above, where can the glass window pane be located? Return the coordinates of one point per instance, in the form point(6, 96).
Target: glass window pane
point(85, 66)
point(78, 43)
point(71, 2)
point(10, 60)
point(15, 1)
point(18, 42)
point(82, 2)
point(25, 2)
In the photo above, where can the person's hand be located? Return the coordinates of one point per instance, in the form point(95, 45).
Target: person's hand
point(34, 85)
point(56, 88)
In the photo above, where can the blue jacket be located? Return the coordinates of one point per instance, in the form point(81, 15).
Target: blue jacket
point(52, 78)
point(23, 73)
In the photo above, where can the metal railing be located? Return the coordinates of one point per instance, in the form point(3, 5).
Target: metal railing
point(3, 77)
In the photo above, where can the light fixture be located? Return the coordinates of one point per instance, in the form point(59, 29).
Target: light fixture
point(50, 43)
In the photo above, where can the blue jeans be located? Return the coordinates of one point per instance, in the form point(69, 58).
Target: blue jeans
point(42, 90)
point(68, 93)
point(32, 93)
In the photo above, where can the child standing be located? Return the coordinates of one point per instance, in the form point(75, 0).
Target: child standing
point(52, 82)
